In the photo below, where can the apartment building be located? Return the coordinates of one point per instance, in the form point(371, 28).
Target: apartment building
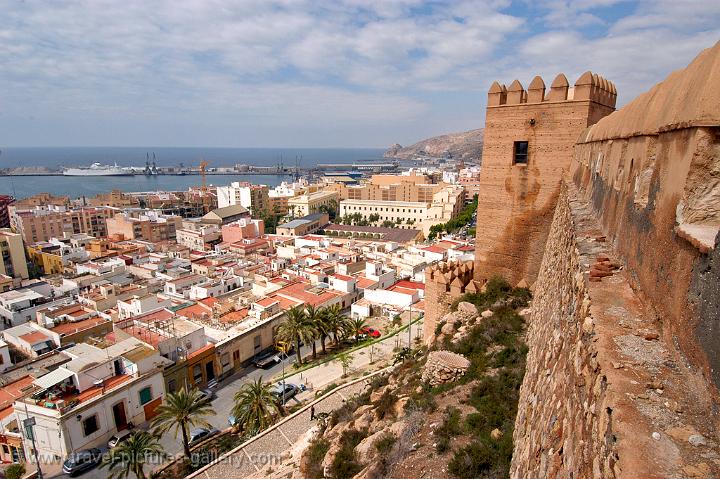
point(41, 223)
point(5, 202)
point(42, 199)
point(12, 255)
point(47, 221)
point(115, 198)
point(54, 255)
point(144, 225)
point(244, 228)
point(200, 238)
point(280, 195)
point(310, 203)
point(411, 188)
point(253, 197)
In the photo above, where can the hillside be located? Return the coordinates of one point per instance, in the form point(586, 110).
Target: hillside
point(466, 145)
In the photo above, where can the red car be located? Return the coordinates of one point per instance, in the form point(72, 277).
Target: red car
point(373, 333)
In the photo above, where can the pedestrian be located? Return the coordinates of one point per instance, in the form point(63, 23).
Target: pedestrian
point(312, 413)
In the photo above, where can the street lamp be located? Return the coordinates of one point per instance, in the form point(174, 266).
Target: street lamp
point(28, 424)
point(282, 362)
point(410, 324)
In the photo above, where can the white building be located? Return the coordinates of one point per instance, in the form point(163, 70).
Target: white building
point(31, 338)
point(197, 239)
point(5, 361)
point(99, 392)
point(212, 289)
point(20, 305)
point(138, 305)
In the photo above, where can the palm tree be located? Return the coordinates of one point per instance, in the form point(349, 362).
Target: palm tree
point(323, 328)
point(187, 407)
point(356, 326)
point(255, 406)
point(130, 456)
point(335, 322)
point(314, 317)
point(296, 329)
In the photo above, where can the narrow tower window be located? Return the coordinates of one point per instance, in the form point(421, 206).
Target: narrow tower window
point(520, 153)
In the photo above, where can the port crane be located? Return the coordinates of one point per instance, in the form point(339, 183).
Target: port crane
point(203, 189)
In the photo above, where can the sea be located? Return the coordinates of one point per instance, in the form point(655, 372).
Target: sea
point(75, 186)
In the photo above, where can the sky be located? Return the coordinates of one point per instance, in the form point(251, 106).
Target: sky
point(312, 73)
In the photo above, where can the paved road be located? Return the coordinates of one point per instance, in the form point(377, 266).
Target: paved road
point(222, 404)
point(317, 377)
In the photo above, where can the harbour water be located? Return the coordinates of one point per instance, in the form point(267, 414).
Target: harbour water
point(55, 158)
point(11, 157)
point(77, 186)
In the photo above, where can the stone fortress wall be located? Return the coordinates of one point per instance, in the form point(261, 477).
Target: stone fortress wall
point(617, 235)
point(622, 371)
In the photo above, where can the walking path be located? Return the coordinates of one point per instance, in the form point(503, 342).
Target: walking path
point(269, 446)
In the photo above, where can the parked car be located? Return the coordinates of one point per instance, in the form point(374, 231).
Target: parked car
point(119, 437)
point(201, 433)
point(232, 420)
point(81, 461)
point(266, 360)
point(290, 391)
point(369, 332)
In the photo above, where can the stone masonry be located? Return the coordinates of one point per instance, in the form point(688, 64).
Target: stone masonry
point(445, 282)
point(444, 367)
point(603, 395)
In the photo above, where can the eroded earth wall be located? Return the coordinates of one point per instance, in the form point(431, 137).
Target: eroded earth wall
point(652, 174)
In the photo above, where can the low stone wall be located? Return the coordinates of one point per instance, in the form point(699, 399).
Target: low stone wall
point(444, 367)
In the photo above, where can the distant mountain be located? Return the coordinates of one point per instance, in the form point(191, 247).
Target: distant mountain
point(466, 145)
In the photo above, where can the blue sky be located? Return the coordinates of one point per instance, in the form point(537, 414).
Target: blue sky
point(321, 73)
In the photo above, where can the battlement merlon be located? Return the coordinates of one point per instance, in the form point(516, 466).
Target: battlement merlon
point(590, 86)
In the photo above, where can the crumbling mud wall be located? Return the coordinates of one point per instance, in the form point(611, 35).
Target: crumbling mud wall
point(624, 363)
point(652, 174)
point(444, 283)
point(604, 394)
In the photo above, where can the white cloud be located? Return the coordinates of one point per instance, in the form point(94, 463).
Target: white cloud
point(373, 66)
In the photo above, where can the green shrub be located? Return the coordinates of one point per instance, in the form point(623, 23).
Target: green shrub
point(385, 444)
point(422, 401)
point(496, 289)
point(384, 404)
point(345, 464)
point(15, 471)
point(315, 454)
point(379, 381)
point(450, 427)
point(482, 458)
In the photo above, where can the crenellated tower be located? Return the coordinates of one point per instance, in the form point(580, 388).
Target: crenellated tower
point(528, 146)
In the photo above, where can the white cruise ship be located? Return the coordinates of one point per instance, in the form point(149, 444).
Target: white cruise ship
point(96, 169)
